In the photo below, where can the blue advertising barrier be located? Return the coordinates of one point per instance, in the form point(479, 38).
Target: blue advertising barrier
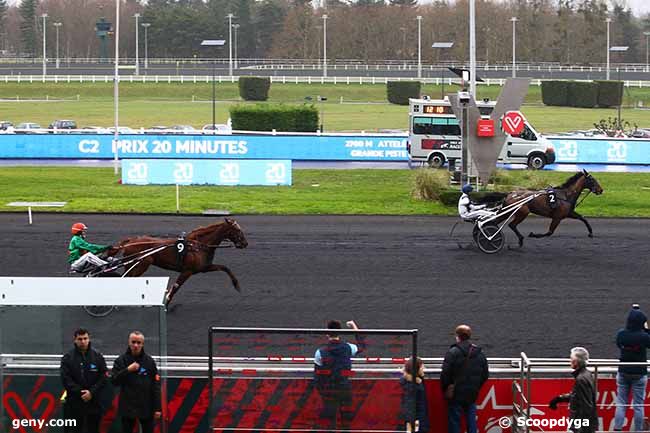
point(206, 172)
point(601, 150)
point(300, 147)
point(295, 147)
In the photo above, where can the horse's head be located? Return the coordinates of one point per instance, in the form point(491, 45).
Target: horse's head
point(235, 234)
point(592, 184)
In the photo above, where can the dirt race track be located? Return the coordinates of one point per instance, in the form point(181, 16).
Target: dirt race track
point(384, 272)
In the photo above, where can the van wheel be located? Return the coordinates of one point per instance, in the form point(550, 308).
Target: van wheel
point(436, 160)
point(536, 161)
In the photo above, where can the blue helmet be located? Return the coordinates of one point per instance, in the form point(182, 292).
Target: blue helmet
point(467, 189)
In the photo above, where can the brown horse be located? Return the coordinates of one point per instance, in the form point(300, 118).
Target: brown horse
point(565, 197)
point(195, 256)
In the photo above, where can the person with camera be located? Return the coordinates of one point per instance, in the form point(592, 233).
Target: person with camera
point(464, 371)
point(631, 380)
point(332, 369)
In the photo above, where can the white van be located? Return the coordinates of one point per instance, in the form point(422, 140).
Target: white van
point(434, 136)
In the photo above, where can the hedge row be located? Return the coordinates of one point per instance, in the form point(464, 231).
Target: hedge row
point(254, 88)
point(582, 94)
point(399, 92)
point(263, 117)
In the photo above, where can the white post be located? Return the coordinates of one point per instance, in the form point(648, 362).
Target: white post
point(514, 46)
point(44, 16)
point(608, 20)
point(178, 198)
point(230, 17)
point(324, 45)
point(137, 45)
point(116, 79)
point(57, 25)
point(472, 48)
point(419, 18)
point(29, 213)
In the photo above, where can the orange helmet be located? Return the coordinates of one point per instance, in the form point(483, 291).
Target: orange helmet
point(78, 228)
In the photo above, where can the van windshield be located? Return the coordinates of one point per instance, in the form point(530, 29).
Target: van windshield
point(435, 126)
point(527, 134)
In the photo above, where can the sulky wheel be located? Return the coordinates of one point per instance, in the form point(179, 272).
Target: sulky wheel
point(483, 241)
point(98, 310)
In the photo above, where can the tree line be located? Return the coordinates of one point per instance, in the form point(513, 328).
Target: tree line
point(565, 31)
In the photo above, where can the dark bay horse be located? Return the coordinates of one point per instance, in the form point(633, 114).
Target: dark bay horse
point(196, 255)
point(566, 197)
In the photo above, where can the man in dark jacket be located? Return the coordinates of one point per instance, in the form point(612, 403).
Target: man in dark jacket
point(83, 373)
point(464, 371)
point(137, 375)
point(633, 341)
point(332, 369)
point(582, 398)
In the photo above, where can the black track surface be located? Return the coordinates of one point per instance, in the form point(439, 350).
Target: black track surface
point(384, 272)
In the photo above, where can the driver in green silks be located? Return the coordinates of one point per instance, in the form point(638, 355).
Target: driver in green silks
point(80, 252)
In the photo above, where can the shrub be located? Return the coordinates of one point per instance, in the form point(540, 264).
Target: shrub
point(428, 183)
point(555, 93)
point(254, 88)
point(583, 94)
point(610, 93)
point(399, 92)
point(266, 117)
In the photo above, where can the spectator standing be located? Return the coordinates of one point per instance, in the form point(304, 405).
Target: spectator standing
point(582, 398)
point(136, 374)
point(332, 368)
point(464, 371)
point(83, 373)
point(633, 341)
point(414, 397)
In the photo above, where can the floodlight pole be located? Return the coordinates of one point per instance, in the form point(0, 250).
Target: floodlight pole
point(608, 21)
point(57, 25)
point(647, 64)
point(324, 45)
point(236, 26)
point(472, 48)
point(146, 45)
point(137, 45)
point(419, 18)
point(116, 80)
point(44, 16)
point(230, 17)
point(514, 46)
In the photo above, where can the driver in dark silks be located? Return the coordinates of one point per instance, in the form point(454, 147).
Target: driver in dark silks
point(81, 253)
point(332, 368)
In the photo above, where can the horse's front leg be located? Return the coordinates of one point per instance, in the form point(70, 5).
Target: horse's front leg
point(520, 215)
point(222, 268)
point(177, 285)
point(551, 229)
point(577, 216)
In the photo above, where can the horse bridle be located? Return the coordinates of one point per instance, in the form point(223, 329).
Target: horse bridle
point(589, 184)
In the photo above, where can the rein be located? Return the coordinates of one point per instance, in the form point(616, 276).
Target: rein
point(583, 198)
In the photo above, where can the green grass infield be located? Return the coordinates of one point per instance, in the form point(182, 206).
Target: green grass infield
point(349, 107)
point(360, 191)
